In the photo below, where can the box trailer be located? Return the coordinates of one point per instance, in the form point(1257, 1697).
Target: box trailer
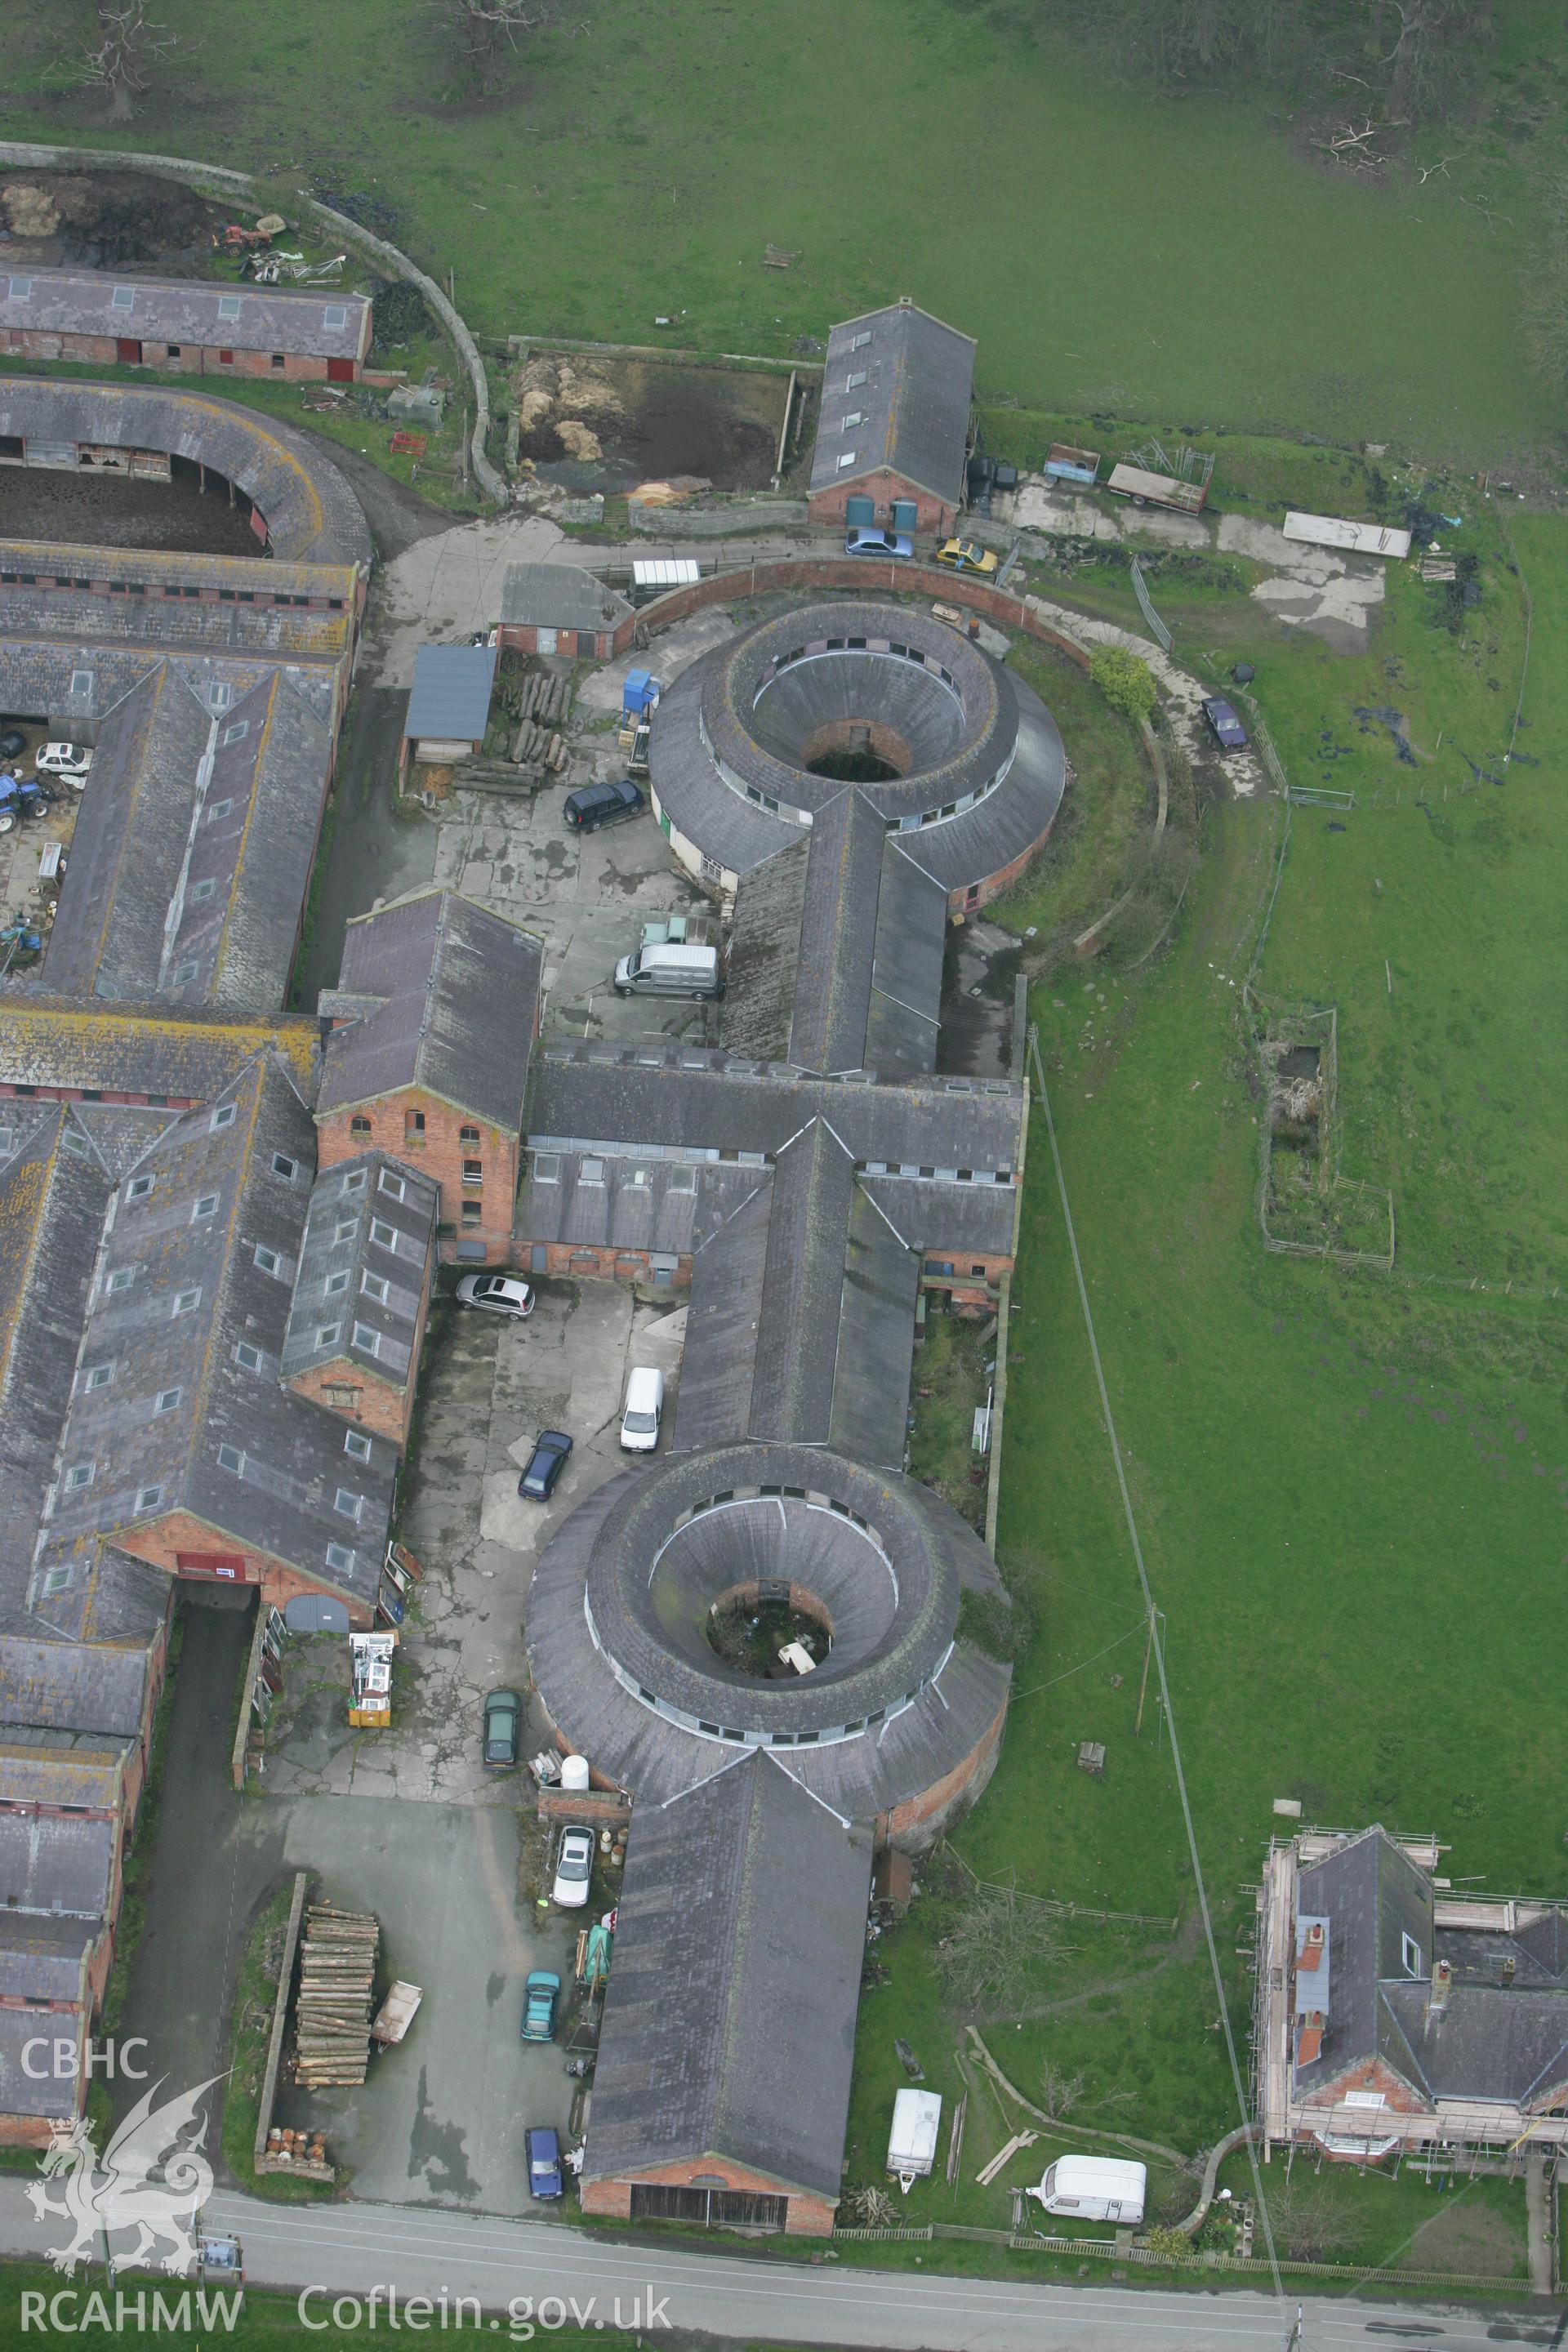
point(911, 2145)
point(1147, 489)
point(1094, 2189)
point(1066, 464)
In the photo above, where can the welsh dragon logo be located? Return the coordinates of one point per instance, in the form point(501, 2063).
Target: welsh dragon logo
point(155, 2180)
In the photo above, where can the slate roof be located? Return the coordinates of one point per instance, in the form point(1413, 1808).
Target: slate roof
point(254, 615)
point(197, 1266)
point(441, 995)
point(319, 325)
point(451, 692)
point(914, 403)
point(729, 2024)
point(60, 1685)
point(55, 1862)
point(665, 1206)
point(765, 954)
point(560, 596)
point(671, 1097)
point(1501, 2033)
point(313, 516)
point(177, 1054)
point(45, 1959)
point(356, 1299)
point(22, 2093)
point(192, 855)
point(63, 1771)
point(52, 1213)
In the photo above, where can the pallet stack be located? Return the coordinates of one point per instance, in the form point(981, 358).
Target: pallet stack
point(332, 2015)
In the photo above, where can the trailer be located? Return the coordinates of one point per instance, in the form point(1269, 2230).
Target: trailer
point(1094, 2189)
point(911, 2145)
point(1147, 489)
point(1066, 464)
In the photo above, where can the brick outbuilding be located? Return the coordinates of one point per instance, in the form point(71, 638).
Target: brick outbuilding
point(433, 1019)
point(184, 326)
point(894, 427)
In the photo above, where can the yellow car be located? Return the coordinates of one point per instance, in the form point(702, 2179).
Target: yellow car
point(966, 555)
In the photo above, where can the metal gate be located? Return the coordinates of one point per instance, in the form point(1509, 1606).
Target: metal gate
point(316, 1613)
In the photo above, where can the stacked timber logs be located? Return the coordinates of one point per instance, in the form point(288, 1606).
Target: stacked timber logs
point(332, 2015)
point(540, 707)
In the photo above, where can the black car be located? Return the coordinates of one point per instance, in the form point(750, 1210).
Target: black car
point(593, 805)
point(1224, 725)
point(545, 1464)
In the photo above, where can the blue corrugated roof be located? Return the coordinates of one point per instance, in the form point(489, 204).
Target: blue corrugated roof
point(451, 693)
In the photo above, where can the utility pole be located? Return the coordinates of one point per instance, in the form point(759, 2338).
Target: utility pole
point(1143, 1685)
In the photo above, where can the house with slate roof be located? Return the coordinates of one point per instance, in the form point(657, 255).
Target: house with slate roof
point(433, 1019)
point(1394, 2014)
point(893, 429)
point(190, 326)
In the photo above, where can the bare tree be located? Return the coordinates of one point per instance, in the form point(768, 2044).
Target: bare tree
point(991, 1956)
point(489, 30)
point(1311, 2220)
point(1059, 2090)
point(122, 56)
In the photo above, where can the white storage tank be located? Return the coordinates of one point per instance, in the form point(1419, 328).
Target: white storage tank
point(574, 1771)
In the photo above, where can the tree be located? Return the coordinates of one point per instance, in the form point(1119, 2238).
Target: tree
point(991, 1956)
point(489, 30)
point(128, 45)
point(1126, 682)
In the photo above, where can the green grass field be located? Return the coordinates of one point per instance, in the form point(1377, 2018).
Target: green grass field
point(1113, 252)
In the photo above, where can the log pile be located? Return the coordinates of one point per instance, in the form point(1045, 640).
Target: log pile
point(331, 2014)
point(540, 707)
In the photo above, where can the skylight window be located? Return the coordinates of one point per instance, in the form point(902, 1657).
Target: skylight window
point(168, 1399)
point(78, 1475)
point(237, 733)
point(149, 1498)
point(348, 1503)
point(857, 416)
point(847, 460)
point(356, 1443)
point(230, 1457)
point(123, 298)
point(376, 1286)
point(248, 1356)
point(228, 306)
point(328, 1334)
point(367, 1340)
point(98, 1377)
point(187, 1301)
point(121, 1280)
point(268, 1259)
point(335, 315)
point(21, 289)
point(139, 1187)
point(383, 1234)
point(392, 1184)
point(224, 1116)
point(340, 1557)
point(206, 1207)
point(335, 1286)
point(283, 1166)
point(183, 973)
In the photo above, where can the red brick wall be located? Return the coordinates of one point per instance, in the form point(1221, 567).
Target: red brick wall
point(806, 2216)
point(931, 513)
point(572, 1257)
point(920, 1821)
point(523, 637)
point(377, 1403)
point(196, 359)
point(158, 1541)
point(1370, 2075)
point(437, 1153)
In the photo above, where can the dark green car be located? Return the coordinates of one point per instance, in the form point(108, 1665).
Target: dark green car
point(503, 1720)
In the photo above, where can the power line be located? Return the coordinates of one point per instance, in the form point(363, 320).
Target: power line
point(1159, 1648)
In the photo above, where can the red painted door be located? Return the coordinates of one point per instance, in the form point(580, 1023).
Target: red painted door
point(340, 371)
point(127, 350)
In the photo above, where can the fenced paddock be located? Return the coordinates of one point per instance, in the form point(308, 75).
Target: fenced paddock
point(1306, 1207)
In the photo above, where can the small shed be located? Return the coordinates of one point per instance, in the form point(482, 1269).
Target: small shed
point(560, 608)
point(450, 705)
point(655, 575)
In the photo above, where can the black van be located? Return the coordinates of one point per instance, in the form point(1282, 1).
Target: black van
point(596, 805)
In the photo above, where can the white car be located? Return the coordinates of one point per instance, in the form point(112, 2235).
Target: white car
point(497, 1294)
point(70, 760)
point(573, 1866)
point(644, 1406)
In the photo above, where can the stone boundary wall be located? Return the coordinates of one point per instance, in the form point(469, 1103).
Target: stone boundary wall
point(215, 178)
point(280, 2018)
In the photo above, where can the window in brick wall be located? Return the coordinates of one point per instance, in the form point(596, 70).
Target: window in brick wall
point(467, 1134)
point(358, 1126)
point(278, 360)
point(226, 359)
point(413, 1125)
point(473, 1212)
point(473, 1172)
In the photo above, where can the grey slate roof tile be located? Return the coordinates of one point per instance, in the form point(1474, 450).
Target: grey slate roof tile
point(560, 596)
point(457, 994)
point(914, 403)
point(324, 324)
point(729, 2024)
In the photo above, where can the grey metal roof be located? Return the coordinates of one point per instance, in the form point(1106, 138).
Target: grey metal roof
point(723, 1317)
point(322, 325)
point(729, 2024)
point(21, 2091)
point(665, 1206)
point(914, 403)
point(875, 1339)
point(456, 994)
point(451, 692)
point(560, 596)
point(802, 1281)
point(347, 1263)
point(313, 516)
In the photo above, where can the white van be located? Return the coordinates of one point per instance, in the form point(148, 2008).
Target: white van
point(671, 971)
point(644, 1403)
point(1094, 2189)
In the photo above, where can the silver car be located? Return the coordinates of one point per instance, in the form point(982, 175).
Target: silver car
point(497, 1294)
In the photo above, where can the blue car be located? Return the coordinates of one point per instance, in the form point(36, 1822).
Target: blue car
point(545, 1464)
point(865, 541)
point(542, 1992)
point(545, 2177)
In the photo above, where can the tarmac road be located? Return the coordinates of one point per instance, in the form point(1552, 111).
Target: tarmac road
point(347, 2249)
